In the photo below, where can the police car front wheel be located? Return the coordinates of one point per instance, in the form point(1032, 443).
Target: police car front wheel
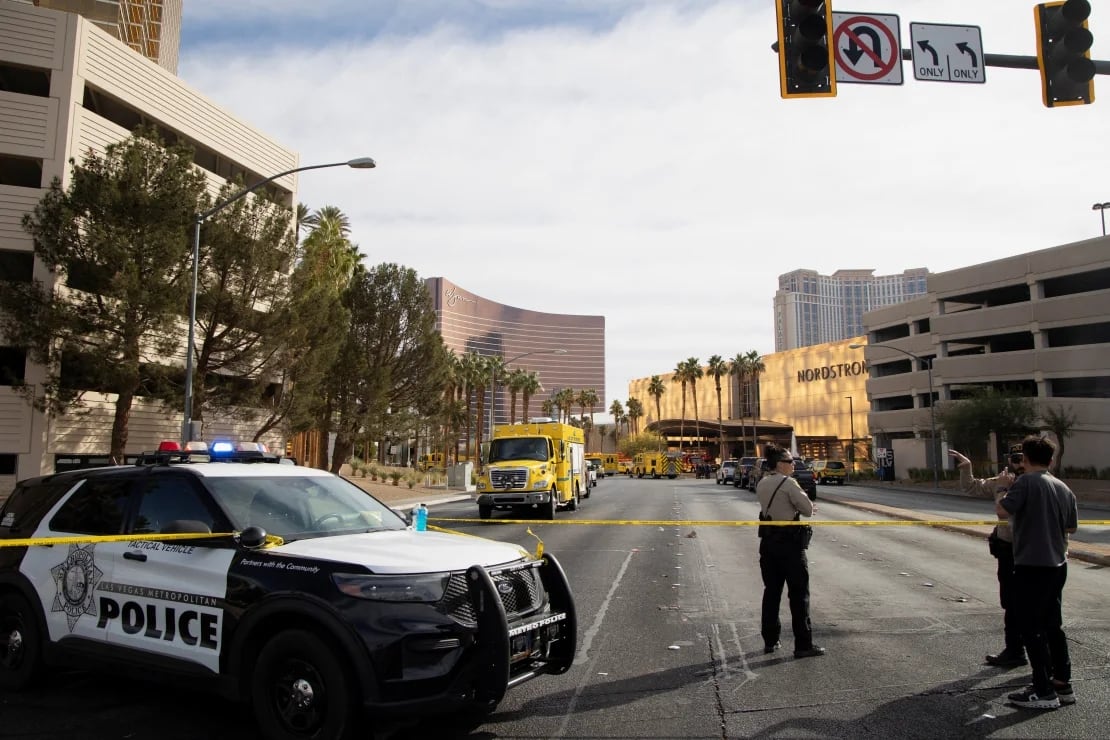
point(300, 689)
point(20, 644)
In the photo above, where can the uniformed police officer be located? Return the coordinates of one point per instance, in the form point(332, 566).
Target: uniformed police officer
point(782, 554)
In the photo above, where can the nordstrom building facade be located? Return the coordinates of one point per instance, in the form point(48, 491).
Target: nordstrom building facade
point(1036, 325)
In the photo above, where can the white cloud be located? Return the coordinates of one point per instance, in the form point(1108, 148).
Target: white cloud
point(647, 170)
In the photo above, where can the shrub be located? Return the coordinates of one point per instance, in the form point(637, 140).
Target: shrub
point(1086, 473)
point(395, 476)
point(374, 472)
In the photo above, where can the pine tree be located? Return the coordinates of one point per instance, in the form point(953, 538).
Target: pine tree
point(118, 239)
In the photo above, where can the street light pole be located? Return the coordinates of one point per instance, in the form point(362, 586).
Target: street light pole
point(852, 448)
point(361, 163)
point(493, 396)
point(1101, 208)
point(932, 404)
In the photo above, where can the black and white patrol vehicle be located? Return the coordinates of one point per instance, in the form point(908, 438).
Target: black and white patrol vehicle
point(292, 589)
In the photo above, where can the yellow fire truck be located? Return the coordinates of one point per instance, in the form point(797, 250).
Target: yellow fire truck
point(431, 460)
point(609, 461)
point(656, 464)
point(535, 466)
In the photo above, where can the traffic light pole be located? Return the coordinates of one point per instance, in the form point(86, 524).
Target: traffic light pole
point(1012, 61)
point(1018, 61)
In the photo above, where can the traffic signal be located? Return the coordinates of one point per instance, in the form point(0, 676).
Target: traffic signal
point(1064, 52)
point(806, 68)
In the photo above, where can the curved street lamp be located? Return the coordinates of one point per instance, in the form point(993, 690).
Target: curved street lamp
point(360, 163)
point(1101, 208)
point(932, 402)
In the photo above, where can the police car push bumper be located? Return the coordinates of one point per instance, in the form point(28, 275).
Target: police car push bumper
point(511, 656)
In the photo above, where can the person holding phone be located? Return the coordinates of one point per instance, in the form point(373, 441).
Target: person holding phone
point(1001, 542)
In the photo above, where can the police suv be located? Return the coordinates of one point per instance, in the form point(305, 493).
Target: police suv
point(280, 585)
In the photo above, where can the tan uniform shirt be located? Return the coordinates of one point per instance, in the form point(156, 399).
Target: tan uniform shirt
point(987, 487)
point(790, 498)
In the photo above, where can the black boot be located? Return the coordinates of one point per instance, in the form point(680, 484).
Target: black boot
point(1008, 659)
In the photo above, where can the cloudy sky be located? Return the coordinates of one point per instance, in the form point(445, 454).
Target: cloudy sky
point(633, 158)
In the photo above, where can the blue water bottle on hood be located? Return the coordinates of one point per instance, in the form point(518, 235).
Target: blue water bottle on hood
point(420, 518)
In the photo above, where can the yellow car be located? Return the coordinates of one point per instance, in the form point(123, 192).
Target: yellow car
point(830, 471)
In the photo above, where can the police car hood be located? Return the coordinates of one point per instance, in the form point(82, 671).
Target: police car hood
point(405, 551)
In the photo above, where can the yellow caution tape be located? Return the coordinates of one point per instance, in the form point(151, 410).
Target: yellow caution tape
point(756, 523)
point(539, 545)
point(272, 540)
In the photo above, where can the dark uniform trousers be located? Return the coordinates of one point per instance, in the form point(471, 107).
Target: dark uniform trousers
point(782, 561)
point(1039, 596)
point(1007, 596)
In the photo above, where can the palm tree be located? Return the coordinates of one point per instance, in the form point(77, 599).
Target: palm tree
point(587, 424)
point(331, 225)
point(715, 369)
point(564, 399)
point(497, 376)
point(693, 374)
point(681, 377)
point(635, 411)
point(469, 375)
point(547, 408)
point(332, 214)
point(453, 411)
point(616, 410)
point(587, 399)
point(486, 369)
point(529, 387)
point(1061, 422)
point(515, 384)
point(454, 419)
point(301, 216)
point(755, 368)
point(738, 366)
point(656, 389)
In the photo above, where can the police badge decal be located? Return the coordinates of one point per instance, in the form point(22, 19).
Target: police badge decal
point(76, 580)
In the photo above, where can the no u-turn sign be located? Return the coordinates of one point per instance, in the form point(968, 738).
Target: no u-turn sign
point(867, 48)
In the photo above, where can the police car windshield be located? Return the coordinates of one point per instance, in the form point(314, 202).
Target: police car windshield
point(295, 507)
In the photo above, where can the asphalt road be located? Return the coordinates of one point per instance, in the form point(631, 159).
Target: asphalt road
point(669, 643)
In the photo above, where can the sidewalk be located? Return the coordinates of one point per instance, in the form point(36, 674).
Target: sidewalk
point(1084, 551)
point(403, 499)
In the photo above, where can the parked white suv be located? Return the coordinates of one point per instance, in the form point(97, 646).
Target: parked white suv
point(727, 472)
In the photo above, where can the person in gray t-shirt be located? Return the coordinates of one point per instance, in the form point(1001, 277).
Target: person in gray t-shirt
point(1042, 512)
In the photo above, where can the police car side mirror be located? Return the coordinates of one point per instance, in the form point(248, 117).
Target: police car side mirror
point(252, 538)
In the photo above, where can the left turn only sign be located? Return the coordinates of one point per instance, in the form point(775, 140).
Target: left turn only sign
point(867, 48)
